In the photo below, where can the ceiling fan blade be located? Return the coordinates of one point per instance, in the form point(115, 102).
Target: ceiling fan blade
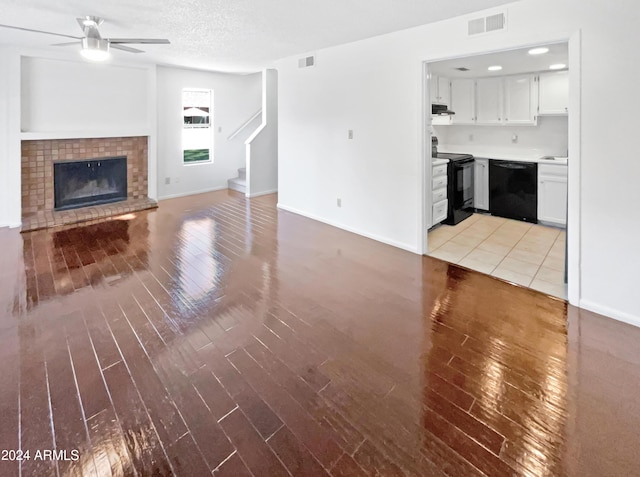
point(68, 43)
point(146, 41)
point(125, 48)
point(40, 31)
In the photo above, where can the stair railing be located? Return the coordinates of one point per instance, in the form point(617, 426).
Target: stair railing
point(245, 124)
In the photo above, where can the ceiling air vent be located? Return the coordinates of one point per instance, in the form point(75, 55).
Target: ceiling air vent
point(488, 24)
point(306, 62)
point(462, 68)
point(476, 26)
point(495, 22)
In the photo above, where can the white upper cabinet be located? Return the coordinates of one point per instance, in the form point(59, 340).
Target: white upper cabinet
point(433, 88)
point(439, 90)
point(463, 101)
point(505, 100)
point(554, 93)
point(520, 100)
point(489, 101)
point(444, 90)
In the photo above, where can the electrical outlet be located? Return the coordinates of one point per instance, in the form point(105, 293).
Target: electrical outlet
point(219, 128)
point(514, 138)
point(167, 180)
point(339, 202)
point(470, 137)
point(350, 133)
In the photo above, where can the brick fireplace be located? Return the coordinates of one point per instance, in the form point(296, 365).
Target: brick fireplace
point(39, 157)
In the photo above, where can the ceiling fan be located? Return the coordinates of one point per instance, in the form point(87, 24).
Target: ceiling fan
point(94, 47)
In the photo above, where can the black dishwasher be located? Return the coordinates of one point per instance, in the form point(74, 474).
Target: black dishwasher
point(513, 190)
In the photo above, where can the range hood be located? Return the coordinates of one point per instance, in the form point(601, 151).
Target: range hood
point(440, 110)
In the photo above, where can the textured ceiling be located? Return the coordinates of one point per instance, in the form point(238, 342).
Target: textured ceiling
point(230, 35)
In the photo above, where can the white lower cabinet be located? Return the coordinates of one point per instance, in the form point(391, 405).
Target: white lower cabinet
point(439, 211)
point(481, 184)
point(439, 194)
point(552, 194)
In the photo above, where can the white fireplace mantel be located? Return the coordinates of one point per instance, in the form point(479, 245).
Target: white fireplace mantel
point(128, 132)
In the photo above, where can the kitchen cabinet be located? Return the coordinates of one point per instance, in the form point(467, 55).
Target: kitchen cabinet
point(489, 108)
point(552, 194)
point(553, 93)
point(439, 90)
point(507, 100)
point(463, 101)
point(439, 191)
point(481, 184)
point(520, 100)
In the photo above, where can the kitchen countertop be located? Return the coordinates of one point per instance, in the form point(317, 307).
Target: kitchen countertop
point(439, 162)
point(519, 155)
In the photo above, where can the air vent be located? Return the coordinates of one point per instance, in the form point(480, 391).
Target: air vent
point(462, 69)
point(495, 22)
point(306, 62)
point(488, 24)
point(476, 26)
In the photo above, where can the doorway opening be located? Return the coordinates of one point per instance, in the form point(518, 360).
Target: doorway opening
point(497, 176)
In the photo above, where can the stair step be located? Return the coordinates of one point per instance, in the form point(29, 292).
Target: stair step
point(237, 183)
point(242, 173)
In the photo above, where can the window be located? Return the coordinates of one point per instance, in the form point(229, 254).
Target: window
point(197, 133)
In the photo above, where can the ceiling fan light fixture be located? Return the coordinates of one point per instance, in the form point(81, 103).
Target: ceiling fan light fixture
point(95, 49)
point(91, 21)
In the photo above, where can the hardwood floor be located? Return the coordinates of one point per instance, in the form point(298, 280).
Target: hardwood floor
point(218, 334)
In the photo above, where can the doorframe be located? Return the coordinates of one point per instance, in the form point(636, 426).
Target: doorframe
point(574, 195)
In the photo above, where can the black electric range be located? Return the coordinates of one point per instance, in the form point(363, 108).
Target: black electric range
point(459, 186)
point(454, 157)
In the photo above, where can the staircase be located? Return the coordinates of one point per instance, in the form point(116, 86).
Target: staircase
point(239, 183)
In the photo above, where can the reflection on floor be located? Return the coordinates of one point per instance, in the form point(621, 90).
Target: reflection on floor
point(219, 335)
point(527, 254)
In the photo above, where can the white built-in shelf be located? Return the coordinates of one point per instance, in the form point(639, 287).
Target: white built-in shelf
point(33, 135)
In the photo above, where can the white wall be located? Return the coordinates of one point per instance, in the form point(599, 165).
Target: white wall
point(235, 99)
point(75, 96)
point(375, 88)
point(262, 147)
point(10, 198)
point(548, 138)
point(4, 140)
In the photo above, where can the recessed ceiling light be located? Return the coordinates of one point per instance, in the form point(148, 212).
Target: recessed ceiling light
point(557, 66)
point(495, 68)
point(538, 51)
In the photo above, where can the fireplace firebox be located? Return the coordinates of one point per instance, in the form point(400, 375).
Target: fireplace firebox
point(83, 183)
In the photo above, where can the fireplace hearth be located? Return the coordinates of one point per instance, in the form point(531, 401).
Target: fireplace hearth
point(89, 182)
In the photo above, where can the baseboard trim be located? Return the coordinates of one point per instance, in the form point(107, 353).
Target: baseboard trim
point(610, 313)
point(338, 225)
point(258, 194)
point(195, 192)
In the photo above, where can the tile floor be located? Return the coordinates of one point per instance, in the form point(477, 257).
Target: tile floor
point(527, 254)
